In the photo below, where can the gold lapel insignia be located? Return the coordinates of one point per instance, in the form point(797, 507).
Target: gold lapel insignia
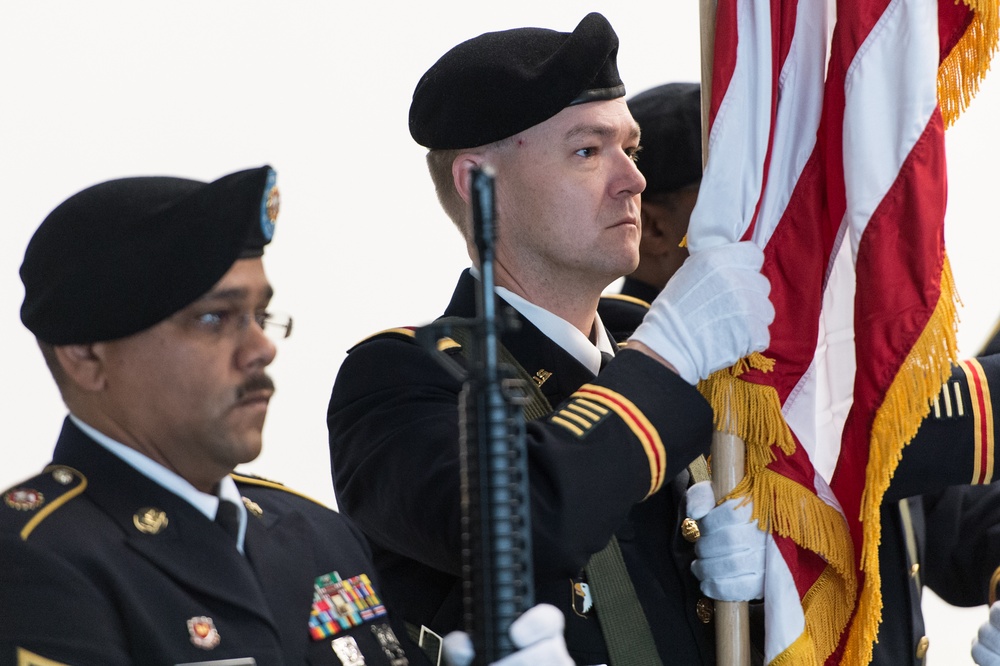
point(253, 507)
point(150, 520)
point(541, 376)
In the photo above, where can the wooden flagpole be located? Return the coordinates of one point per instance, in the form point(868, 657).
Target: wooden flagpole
point(732, 618)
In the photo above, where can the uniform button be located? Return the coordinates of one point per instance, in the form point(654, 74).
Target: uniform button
point(62, 476)
point(704, 609)
point(914, 570)
point(690, 531)
point(922, 646)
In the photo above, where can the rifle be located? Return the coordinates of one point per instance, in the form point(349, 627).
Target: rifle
point(497, 570)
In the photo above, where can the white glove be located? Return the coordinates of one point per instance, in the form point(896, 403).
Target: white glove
point(712, 312)
point(538, 634)
point(986, 646)
point(730, 551)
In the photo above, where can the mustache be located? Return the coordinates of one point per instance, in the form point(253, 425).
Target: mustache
point(256, 383)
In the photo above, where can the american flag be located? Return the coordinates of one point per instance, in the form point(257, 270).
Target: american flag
point(826, 148)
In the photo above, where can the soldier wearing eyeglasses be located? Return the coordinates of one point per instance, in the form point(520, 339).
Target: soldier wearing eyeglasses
point(138, 544)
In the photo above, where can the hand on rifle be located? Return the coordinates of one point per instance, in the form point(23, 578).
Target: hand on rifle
point(730, 550)
point(986, 646)
point(713, 311)
point(538, 634)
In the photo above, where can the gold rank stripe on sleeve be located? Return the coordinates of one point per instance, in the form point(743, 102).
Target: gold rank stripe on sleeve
point(580, 416)
point(590, 398)
point(982, 414)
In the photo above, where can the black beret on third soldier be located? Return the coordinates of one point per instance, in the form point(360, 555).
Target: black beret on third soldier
point(500, 83)
point(123, 255)
point(669, 117)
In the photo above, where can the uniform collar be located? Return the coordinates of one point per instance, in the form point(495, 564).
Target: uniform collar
point(560, 331)
point(205, 503)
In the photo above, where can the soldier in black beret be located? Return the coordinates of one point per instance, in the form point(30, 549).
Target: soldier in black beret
point(139, 544)
point(546, 111)
point(669, 116)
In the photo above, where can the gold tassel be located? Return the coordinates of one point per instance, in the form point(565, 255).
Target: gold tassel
point(785, 507)
point(800, 653)
point(758, 405)
point(906, 404)
point(964, 68)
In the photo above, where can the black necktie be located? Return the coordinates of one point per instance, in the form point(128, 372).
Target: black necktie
point(228, 519)
point(605, 359)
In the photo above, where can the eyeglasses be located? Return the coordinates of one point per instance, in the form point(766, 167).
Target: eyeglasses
point(226, 323)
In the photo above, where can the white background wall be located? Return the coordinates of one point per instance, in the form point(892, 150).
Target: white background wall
point(320, 90)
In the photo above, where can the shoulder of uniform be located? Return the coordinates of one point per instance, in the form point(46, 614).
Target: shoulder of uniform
point(245, 479)
point(407, 334)
point(26, 504)
point(625, 299)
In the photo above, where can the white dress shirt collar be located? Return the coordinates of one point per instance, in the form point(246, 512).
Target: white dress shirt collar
point(560, 331)
point(204, 502)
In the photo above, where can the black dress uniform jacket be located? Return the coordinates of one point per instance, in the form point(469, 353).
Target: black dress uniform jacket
point(936, 532)
point(394, 442)
point(99, 565)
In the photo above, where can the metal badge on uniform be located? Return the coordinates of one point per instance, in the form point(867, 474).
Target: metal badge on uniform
point(150, 520)
point(340, 604)
point(203, 632)
point(582, 601)
point(347, 650)
point(23, 499)
point(269, 206)
point(386, 637)
point(252, 507)
point(541, 377)
point(62, 475)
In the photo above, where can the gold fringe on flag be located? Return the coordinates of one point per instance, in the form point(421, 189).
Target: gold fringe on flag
point(758, 406)
point(961, 72)
point(907, 402)
point(783, 506)
point(800, 653)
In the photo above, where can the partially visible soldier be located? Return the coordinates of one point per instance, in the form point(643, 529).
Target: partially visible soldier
point(669, 117)
point(934, 533)
point(139, 544)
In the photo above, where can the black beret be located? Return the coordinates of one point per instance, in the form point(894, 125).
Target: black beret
point(670, 119)
point(500, 83)
point(124, 255)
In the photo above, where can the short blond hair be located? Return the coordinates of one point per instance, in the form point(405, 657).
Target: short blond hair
point(439, 163)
